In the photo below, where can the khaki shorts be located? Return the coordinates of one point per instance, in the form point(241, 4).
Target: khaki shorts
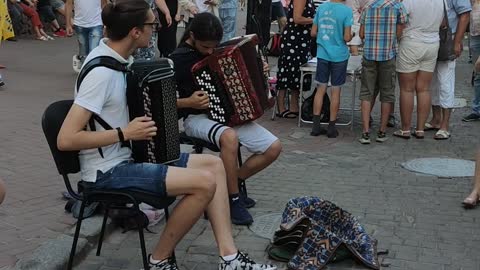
point(378, 76)
point(414, 56)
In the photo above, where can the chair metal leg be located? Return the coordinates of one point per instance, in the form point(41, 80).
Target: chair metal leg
point(76, 235)
point(241, 186)
point(102, 232)
point(142, 242)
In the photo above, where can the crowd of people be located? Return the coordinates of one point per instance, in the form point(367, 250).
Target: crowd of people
point(396, 39)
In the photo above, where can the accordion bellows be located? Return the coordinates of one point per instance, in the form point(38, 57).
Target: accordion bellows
point(234, 80)
point(151, 91)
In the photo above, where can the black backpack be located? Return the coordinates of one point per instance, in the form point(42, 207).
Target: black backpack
point(307, 108)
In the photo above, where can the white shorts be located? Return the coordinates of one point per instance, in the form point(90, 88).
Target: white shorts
point(356, 40)
point(255, 138)
point(443, 84)
point(416, 56)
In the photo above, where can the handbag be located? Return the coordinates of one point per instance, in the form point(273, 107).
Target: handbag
point(446, 51)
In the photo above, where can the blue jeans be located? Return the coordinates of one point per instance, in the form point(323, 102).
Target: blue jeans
point(475, 50)
point(228, 16)
point(88, 38)
point(143, 176)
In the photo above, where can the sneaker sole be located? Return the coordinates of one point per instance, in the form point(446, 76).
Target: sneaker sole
point(470, 120)
point(364, 142)
point(381, 140)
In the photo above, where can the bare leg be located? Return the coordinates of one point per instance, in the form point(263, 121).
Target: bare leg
point(407, 88)
point(436, 116)
point(335, 102)
point(281, 100)
point(386, 109)
point(218, 209)
point(318, 99)
point(38, 33)
point(3, 191)
point(258, 162)
point(55, 26)
point(199, 187)
point(423, 98)
point(294, 101)
point(446, 112)
point(366, 109)
point(473, 197)
point(228, 154)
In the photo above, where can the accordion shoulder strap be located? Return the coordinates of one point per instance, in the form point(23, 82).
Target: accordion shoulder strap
point(101, 61)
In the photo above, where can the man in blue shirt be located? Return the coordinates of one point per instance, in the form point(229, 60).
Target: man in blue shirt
point(332, 28)
point(443, 82)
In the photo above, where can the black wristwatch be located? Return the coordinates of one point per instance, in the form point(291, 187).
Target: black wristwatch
point(120, 135)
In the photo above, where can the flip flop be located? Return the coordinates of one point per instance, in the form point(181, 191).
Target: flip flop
point(470, 203)
point(404, 134)
point(442, 135)
point(430, 127)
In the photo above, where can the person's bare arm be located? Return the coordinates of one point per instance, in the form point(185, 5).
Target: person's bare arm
point(68, 17)
point(400, 28)
point(361, 33)
point(103, 3)
point(298, 7)
point(162, 5)
point(463, 21)
point(347, 34)
point(73, 136)
point(313, 32)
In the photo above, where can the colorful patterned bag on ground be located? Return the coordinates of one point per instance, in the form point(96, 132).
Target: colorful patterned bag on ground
point(332, 229)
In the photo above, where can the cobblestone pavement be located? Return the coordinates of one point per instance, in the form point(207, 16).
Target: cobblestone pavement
point(417, 217)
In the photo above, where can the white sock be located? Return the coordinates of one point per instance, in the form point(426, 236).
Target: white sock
point(230, 257)
point(153, 261)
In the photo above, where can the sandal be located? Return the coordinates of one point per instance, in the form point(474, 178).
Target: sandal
point(42, 38)
point(442, 135)
point(430, 127)
point(419, 134)
point(287, 114)
point(470, 202)
point(404, 134)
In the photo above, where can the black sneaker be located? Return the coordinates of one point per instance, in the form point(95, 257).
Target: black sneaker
point(365, 139)
point(247, 201)
point(391, 121)
point(332, 131)
point(471, 117)
point(381, 136)
point(168, 264)
point(239, 213)
point(243, 262)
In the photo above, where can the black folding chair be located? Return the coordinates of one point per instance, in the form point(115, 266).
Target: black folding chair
point(199, 144)
point(67, 162)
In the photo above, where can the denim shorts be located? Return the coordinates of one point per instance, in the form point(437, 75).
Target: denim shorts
point(143, 176)
point(336, 72)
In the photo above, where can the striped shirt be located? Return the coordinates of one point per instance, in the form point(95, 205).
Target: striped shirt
point(380, 19)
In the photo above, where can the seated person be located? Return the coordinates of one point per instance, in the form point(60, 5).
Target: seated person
point(198, 179)
point(200, 39)
point(45, 10)
point(28, 8)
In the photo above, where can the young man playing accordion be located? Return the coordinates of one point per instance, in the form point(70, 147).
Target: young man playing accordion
point(199, 41)
point(200, 179)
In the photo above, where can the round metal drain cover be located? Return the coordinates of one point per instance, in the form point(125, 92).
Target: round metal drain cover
point(266, 225)
point(441, 167)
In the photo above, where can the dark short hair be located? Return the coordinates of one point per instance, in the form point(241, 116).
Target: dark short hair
point(205, 27)
point(121, 16)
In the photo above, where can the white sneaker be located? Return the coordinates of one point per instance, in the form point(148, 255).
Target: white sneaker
point(243, 262)
point(76, 64)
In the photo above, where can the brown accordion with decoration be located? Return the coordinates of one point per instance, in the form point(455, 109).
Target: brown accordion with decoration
point(234, 79)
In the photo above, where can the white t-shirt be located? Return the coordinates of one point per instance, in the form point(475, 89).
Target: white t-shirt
point(88, 13)
point(103, 92)
point(424, 20)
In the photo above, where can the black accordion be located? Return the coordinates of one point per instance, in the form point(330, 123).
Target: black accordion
point(151, 91)
point(235, 82)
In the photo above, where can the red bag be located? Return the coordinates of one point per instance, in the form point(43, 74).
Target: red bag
point(274, 48)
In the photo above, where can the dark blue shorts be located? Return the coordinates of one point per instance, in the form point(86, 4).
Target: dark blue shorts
point(144, 176)
point(335, 72)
